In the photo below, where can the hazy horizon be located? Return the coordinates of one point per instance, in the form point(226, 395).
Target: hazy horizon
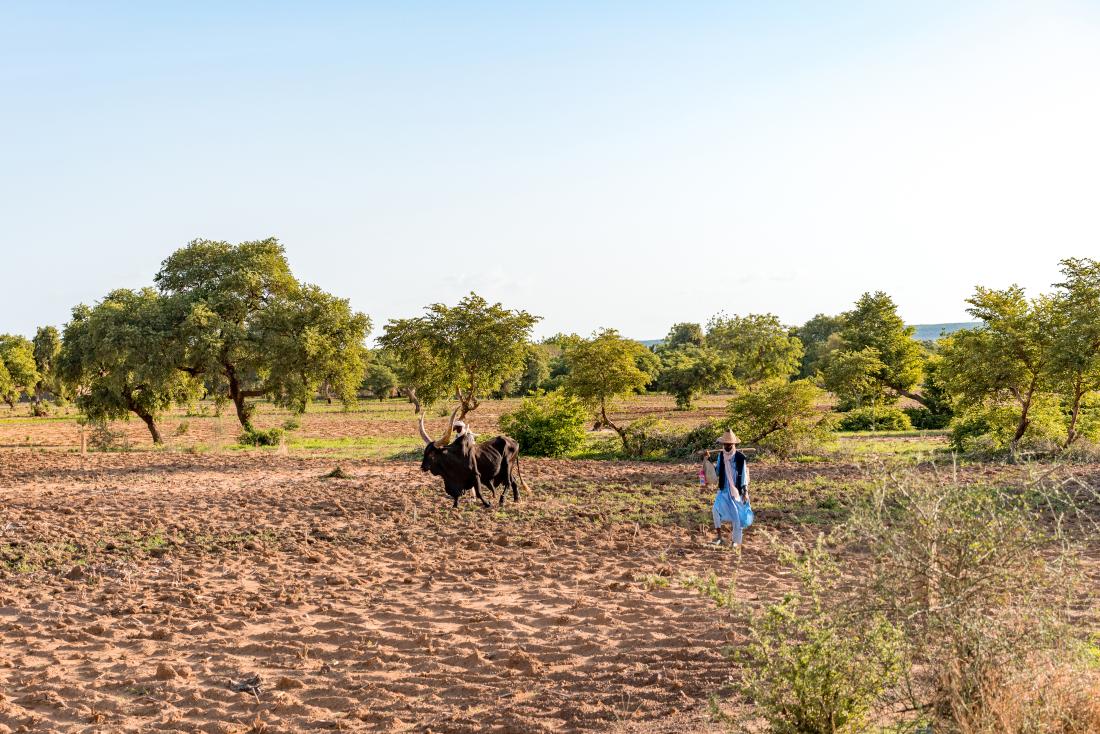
point(628, 166)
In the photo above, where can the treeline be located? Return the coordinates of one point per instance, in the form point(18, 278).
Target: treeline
point(231, 323)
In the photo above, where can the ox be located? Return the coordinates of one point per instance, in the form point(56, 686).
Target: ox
point(464, 464)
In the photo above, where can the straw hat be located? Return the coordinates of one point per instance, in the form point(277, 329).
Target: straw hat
point(728, 437)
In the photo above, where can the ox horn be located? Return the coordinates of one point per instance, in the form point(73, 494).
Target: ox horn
point(423, 433)
point(450, 428)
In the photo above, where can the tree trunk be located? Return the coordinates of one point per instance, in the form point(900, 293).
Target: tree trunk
point(151, 423)
point(1021, 427)
point(1075, 413)
point(410, 393)
point(911, 395)
point(607, 422)
point(237, 395)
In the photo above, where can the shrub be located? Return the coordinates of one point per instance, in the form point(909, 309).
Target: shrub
point(292, 424)
point(808, 668)
point(782, 417)
point(103, 438)
point(260, 437)
point(990, 428)
point(182, 428)
point(924, 419)
point(886, 418)
point(982, 580)
point(550, 424)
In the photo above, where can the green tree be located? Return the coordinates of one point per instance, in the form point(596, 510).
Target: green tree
point(853, 376)
point(467, 351)
point(874, 323)
point(820, 336)
point(684, 334)
point(689, 370)
point(1075, 363)
point(1008, 358)
point(783, 417)
point(118, 356)
point(252, 330)
point(381, 377)
point(758, 347)
point(20, 375)
point(47, 349)
point(604, 369)
point(536, 371)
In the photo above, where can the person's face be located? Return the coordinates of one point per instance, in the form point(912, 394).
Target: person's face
point(727, 446)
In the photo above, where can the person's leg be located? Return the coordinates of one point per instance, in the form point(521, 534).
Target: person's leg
point(717, 524)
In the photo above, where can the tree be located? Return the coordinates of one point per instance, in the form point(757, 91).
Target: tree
point(690, 370)
point(247, 326)
point(381, 377)
point(536, 371)
point(1075, 364)
point(47, 349)
point(467, 350)
point(602, 370)
point(783, 417)
point(874, 322)
point(853, 376)
point(684, 334)
point(1008, 358)
point(118, 355)
point(820, 336)
point(758, 347)
point(19, 374)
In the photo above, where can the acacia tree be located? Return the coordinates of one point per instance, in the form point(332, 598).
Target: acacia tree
point(465, 351)
point(604, 369)
point(1075, 365)
point(47, 349)
point(252, 330)
point(875, 323)
point(118, 355)
point(758, 347)
point(1008, 358)
point(853, 377)
point(820, 336)
point(684, 334)
point(18, 373)
point(689, 370)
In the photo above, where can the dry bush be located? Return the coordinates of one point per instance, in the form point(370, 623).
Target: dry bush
point(981, 579)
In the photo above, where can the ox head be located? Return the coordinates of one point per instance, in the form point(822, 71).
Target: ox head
point(433, 450)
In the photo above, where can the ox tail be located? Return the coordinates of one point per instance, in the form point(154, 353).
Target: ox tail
point(519, 475)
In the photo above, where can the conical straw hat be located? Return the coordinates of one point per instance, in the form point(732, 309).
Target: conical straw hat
point(728, 437)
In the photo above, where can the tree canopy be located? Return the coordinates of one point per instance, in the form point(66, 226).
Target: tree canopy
point(118, 357)
point(875, 323)
point(604, 369)
point(466, 351)
point(689, 370)
point(757, 347)
point(252, 330)
point(18, 372)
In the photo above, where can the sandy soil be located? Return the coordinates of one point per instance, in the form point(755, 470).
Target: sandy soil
point(137, 588)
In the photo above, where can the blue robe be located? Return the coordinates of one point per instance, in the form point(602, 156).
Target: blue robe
point(732, 497)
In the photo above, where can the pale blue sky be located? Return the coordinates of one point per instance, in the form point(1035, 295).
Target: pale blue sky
point(623, 164)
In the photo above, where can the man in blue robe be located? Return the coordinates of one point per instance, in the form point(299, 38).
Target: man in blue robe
point(733, 488)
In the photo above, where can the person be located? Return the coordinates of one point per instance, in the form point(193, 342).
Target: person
point(732, 496)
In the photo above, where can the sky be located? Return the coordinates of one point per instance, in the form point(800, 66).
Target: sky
point(599, 164)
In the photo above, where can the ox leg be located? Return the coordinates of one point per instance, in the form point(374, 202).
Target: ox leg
point(477, 490)
point(506, 472)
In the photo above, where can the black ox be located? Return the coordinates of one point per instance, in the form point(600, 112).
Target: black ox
point(464, 464)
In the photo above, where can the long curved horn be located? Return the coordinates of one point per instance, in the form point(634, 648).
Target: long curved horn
point(450, 428)
point(423, 433)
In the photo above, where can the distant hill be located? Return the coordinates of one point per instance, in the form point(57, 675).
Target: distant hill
point(925, 332)
point(932, 332)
